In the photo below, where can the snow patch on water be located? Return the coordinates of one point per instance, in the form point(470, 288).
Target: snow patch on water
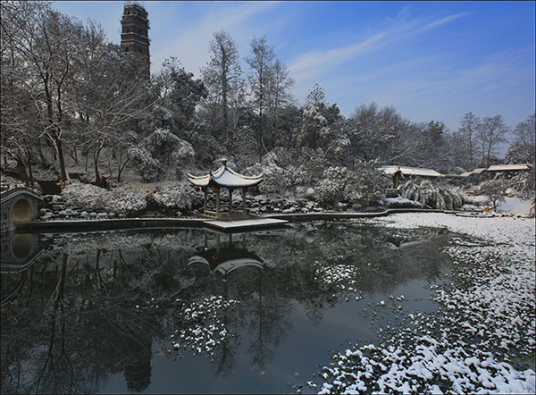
point(483, 333)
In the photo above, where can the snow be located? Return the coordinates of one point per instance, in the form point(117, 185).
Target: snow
point(411, 171)
point(444, 354)
point(249, 223)
point(225, 177)
point(515, 205)
point(401, 202)
point(204, 328)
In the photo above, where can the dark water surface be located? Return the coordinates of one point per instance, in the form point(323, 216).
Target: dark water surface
point(193, 311)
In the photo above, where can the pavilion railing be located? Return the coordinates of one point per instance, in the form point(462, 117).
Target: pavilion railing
point(210, 214)
point(237, 213)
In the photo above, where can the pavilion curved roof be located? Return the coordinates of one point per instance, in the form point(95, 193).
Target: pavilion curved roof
point(225, 177)
point(227, 260)
point(410, 171)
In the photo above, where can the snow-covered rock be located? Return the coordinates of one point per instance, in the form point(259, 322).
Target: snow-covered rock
point(400, 202)
point(310, 193)
point(175, 196)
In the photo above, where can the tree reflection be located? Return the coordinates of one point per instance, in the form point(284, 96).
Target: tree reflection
point(92, 306)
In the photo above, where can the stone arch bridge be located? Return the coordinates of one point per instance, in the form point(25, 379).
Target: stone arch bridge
point(19, 205)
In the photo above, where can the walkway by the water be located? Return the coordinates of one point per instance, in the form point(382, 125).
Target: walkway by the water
point(246, 223)
point(145, 223)
point(268, 221)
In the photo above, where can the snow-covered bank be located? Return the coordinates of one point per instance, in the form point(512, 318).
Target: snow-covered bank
point(481, 340)
point(512, 205)
point(86, 201)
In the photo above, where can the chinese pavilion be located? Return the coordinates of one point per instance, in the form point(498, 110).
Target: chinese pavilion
point(224, 178)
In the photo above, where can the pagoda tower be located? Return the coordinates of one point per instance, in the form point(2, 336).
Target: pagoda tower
point(135, 34)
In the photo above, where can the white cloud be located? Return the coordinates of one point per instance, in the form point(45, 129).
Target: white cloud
point(313, 64)
point(190, 43)
point(443, 21)
point(427, 88)
point(319, 61)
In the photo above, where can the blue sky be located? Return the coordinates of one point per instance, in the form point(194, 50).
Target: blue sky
point(431, 60)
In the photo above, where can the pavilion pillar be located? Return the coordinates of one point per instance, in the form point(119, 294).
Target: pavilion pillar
point(230, 201)
point(244, 191)
point(205, 200)
point(218, 203)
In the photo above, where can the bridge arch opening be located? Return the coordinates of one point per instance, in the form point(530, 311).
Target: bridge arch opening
point(21, 211)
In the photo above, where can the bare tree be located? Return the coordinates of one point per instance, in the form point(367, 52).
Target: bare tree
point(470, 125)
point(382, 133)
point(49, 43)
point(260, 62)
point(279, 96)
point(110, 93)
point(316, 96)
point(523, 147)
point(222, 76)
point(20, 137)
point(494, 190)
point(491, 133)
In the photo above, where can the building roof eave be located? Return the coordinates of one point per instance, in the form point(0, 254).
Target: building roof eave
point(225, 178)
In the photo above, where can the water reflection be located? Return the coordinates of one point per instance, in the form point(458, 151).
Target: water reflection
point(94, 305)
point(223, 259)
point(19, 251)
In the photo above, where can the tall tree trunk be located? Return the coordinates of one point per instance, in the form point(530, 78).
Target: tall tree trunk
point(96, 164)
point(98, 149)
point(63, 171)
point(260, 119)
point(224, 107)
point(120, 169)
point(470, 151)
point(260, 135)
point(30, 171)
point(22, 170)
point(75, 155)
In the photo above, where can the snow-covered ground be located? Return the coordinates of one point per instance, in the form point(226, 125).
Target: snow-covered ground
point(511, 205)
point(86, 201)
point(481, 340)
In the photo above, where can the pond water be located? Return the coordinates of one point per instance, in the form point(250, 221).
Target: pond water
point(195, 311)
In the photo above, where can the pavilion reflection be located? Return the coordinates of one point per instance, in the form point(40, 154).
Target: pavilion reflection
point(223, 258)
point(259, 326)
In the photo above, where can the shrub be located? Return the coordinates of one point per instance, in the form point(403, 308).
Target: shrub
point(90, 197)
point(148, 168)
point(328, 191)
point(401, 202)
point(82, 195)
point(366, 184)
point(124, 202)
point(494, 190)
point(433, 194)
point(176, 196)
point(524, 183)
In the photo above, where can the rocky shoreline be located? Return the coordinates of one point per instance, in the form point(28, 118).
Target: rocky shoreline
point(57, 208)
